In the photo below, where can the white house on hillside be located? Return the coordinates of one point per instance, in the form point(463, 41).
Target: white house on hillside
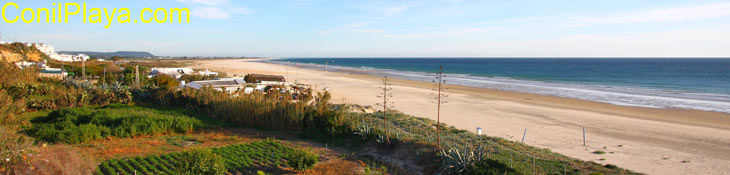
point(51, 52)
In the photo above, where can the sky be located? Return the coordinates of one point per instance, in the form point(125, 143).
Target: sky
point(397, 28)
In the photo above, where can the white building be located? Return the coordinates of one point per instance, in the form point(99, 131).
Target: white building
point(51, 52)
point(229, 85)
point(207, 73)
point(174, 72)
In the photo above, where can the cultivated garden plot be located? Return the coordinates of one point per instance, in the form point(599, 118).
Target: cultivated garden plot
point(239, 158)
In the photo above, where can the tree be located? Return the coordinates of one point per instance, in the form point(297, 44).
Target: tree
point(164, 81)
point(117, 59)
point(439, 99)
point(385, 95)
point(192, 77)
point(250, 79)
point(200, 161)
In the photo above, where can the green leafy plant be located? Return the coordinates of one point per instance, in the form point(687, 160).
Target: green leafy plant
point(457, 159)
point(200, 161)
point(245, 158)
point(77, 125)
point(302, 160)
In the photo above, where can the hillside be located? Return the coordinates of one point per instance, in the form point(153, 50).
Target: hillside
point(111, 54)
point(19, 52)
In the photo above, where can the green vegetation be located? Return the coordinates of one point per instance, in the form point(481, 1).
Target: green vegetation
point(200, 161)
point(77, 125)
point(83, 113)
point(13, 146)
point(322, 121)
point(182, 141)
point(274, 110)
point(302, 160)
point(599, 152)
point(246, 158)
point(250, 79)
point(165, 82)
point(198, 77)
point(465, 152)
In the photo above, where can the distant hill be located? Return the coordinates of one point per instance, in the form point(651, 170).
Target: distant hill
point(111, 54)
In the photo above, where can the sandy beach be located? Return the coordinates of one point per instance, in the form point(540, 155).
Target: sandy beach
point(647, 140)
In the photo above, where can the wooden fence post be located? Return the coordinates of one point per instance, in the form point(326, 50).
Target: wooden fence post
point(523, 135)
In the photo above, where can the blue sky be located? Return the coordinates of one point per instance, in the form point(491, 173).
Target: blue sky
point(393, 28)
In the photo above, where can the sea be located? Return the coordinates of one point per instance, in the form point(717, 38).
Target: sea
point(684, 83)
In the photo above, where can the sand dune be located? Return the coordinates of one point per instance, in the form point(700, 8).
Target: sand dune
point(653, 141)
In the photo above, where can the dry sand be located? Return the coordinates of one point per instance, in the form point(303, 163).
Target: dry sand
point(647, 140)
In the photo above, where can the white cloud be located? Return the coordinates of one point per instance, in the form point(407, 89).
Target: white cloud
point(688, 13)
point(396, 10)
point(205, 2)
point(705, 42)
point(355, 27)
point(214, 9)
point(446, 33)
point(210, 13)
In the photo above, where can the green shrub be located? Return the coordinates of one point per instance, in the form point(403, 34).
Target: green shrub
point(200, 162)
point(165, 82)
point(611, 166)
point(9, 109)
point(302, 160)
point(78, 125)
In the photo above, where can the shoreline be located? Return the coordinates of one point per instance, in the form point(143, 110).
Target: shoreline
point(621, 95)
point(651, 140)
point(713, 119)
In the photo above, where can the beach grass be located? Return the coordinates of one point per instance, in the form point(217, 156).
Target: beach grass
point(515, 157)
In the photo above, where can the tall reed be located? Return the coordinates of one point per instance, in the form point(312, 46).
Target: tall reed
point(274, 110)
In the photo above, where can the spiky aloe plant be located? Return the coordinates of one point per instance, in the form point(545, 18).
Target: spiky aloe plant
point(364, 131)
point(457, 159)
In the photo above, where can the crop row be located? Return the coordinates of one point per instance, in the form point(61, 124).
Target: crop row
point(238, 158)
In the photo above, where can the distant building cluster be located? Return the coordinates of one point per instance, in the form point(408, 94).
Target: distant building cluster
point(45, 71)
point(51, 52)
point(231, 85)
point(249, 84)
point(179, 72)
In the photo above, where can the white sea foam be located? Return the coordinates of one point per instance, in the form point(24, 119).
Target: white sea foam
point(618, 95)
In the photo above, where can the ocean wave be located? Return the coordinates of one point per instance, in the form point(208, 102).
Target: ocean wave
point(612, 94)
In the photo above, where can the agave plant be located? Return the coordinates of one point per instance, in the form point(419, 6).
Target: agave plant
point(381, 138)
point(399, 136)
point(364, 131)
point(458, 159)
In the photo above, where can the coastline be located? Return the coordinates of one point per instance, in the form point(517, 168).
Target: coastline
point(651, 140)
